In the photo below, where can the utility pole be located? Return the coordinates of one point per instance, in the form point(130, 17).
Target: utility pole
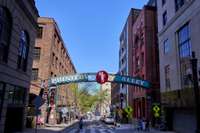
point(193, 62)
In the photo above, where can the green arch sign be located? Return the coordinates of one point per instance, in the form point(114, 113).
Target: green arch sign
point(91, 77)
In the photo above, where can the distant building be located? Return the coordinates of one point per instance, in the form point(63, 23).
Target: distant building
point(51, 59)
point(145, 62)
point(106, 104)
point(152, 3)
point(18, 29)
point(178, 34)
point(125, 54)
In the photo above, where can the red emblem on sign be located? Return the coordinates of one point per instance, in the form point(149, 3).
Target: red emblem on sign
point(102, 77)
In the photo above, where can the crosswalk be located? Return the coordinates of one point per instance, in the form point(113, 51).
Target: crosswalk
point(92, 130)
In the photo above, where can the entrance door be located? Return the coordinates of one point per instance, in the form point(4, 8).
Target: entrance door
point(14, 119)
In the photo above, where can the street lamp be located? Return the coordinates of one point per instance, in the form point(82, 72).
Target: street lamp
point(121, 99)
point(193, 62)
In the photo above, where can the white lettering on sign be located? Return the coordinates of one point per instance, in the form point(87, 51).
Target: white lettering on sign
point(102, 76)
point(90, 77)
point(111, 78)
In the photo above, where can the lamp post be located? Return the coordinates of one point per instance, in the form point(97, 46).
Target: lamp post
point(121, 100)
point(193, 62)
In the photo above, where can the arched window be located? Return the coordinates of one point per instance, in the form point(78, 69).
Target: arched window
point(23, 50)
point(5, 33)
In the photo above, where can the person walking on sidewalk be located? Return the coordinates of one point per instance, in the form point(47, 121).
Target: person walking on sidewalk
point(81, 123)
point(147, 125)
point(143, 124)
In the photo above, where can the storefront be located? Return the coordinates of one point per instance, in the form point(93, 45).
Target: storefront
point(14, 120)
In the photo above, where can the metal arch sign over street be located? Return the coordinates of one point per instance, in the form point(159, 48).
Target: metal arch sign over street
point(91, 77)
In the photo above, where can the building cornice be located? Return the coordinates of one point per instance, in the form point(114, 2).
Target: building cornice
point(27, 12)
point(176, 16)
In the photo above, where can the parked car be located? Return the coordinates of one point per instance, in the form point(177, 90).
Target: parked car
point(109, 120)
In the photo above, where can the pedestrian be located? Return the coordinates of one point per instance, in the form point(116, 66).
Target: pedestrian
point(81, 123)
point(139, 124)
point(143, 124)
point(147, 125)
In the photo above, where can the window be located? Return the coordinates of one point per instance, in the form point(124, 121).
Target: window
point(51, 74)
point(166, 46)
point(5, 33)
point(163, 2)
point(184, 42)
point(167, 77)
point(122, 61)
point(36, 53)
point(23, 51)
point(53, 59)
point(164, 18)
point(142, 59)
point(137, 64)
point(56, 62)
point(10, 94)
point(34, 73)
point(178, 4)
point(136, 41)
point(16, 95)
point(122, 50)
point(40, 32)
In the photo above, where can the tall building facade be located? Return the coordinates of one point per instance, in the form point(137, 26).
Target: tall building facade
point(106, 104)
point(145, 62)
point(51, 59)
point(178, 33)
point(18, 28)
point(115, 95)
point(125, 55)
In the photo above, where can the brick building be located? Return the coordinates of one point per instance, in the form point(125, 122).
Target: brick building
point(145, 62)
point(106, 103)
point(18, 28)
point(115, 95)
point(125, 55)
point(51, 59)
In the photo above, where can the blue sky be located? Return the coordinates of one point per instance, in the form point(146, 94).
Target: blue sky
point(90, 29)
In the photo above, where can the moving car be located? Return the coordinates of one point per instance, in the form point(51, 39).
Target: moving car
point(109, 120)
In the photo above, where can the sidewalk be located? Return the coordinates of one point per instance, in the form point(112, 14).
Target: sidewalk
point(58, 128)
point(132, 127)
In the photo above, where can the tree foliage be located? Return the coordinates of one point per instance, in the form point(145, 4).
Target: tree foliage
point(85, 100)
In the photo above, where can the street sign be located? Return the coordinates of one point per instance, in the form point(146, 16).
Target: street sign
point(156, 110)
point(102, 77)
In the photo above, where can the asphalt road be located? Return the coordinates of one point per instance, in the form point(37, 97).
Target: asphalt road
point(95, 127)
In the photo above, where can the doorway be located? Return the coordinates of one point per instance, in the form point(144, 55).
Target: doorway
point(14, 119)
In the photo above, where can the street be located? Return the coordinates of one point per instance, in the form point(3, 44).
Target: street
point(91, 127)
point(99, 127)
